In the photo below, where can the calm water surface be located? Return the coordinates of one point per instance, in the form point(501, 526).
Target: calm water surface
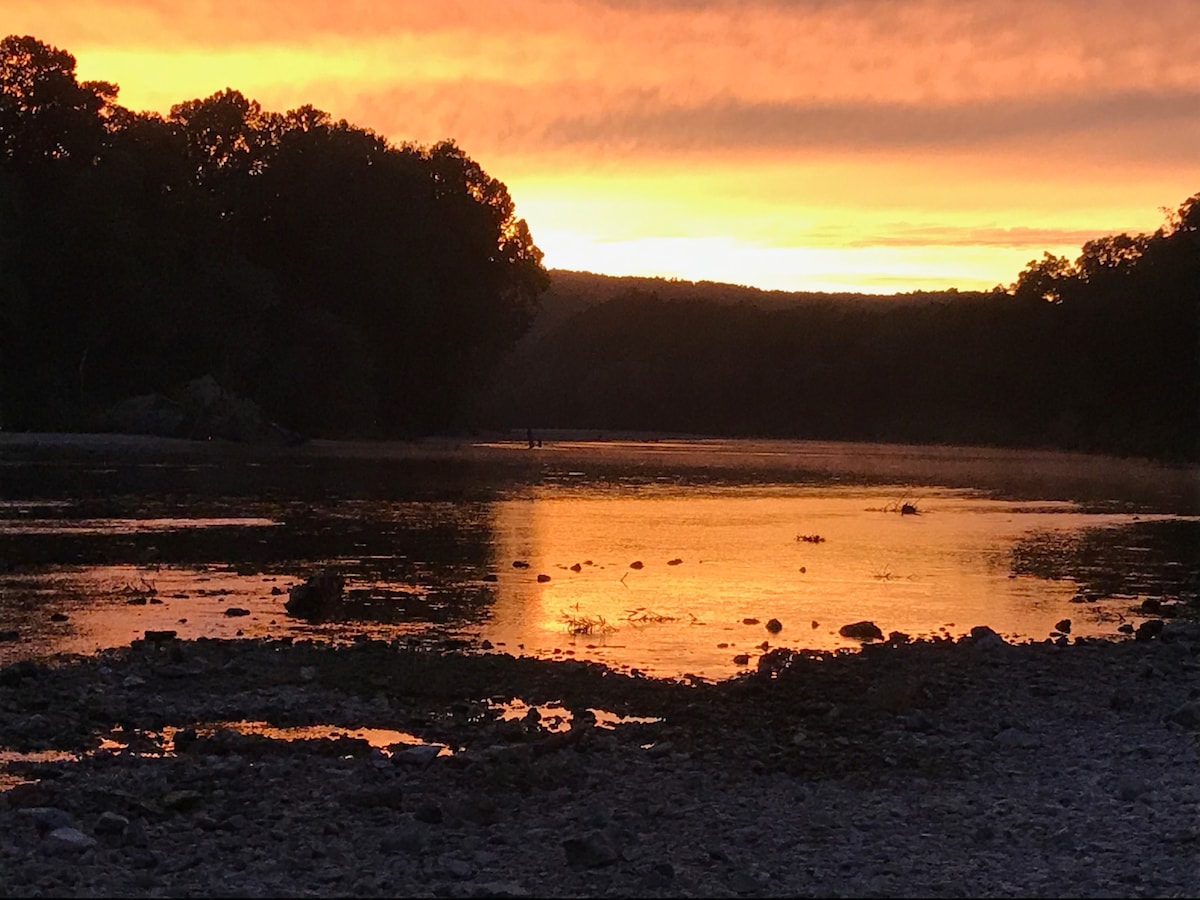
point(665, 556)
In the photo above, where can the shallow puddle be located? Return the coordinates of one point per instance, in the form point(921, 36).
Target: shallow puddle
point(556, 718)
point(162, 743)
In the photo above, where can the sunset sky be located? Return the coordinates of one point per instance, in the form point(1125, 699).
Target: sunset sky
point(876, 145)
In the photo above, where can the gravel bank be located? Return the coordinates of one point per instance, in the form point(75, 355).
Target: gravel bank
point(937, 768)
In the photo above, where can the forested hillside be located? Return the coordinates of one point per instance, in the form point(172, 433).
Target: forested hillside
point(1101, 354)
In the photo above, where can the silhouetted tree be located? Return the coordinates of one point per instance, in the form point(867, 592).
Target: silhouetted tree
point(349, 284)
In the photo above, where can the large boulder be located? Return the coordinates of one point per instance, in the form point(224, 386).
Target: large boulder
point(861, 631)
point(319, 599)
point(200, 410)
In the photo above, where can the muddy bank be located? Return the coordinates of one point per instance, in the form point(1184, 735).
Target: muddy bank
point(935, 768)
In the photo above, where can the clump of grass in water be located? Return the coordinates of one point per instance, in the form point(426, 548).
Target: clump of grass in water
point(580, 624)
point(906, 506)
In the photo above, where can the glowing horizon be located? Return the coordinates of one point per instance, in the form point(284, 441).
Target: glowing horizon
point(866, 146)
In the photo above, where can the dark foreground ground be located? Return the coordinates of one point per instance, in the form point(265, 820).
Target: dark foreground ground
point(932, 769)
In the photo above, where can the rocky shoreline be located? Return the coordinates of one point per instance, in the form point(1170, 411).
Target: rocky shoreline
point(934, 768)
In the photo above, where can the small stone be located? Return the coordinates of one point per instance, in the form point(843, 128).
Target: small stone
point(659, 750)
point(1015, 737)
point(236, 612)
point(110, 823)
point(429, 812)
point(1125, 628)
point(1186, 716)
point(590, 851)
point(543, 578)
point(68, 841)
point(774, 626)
point(59, 617)
point(181, 801)
point(1149, 630)
point(403, 840)
point(419, 755)
point(1130, 787)
point(749, 621)
point(742, 659)
point(636, 564)
point(674, 562)
point(46, 818)
point(1064, 626)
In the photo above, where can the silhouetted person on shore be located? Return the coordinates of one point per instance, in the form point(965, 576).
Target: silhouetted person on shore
point(529, 437)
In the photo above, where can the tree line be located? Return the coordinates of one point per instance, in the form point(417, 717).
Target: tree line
point(354, 287)
point(1097, 354)
point(348, 285)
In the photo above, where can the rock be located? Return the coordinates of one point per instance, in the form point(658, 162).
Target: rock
point(542, 578)
point(749, 621)
point(488, 889)
point(1149, 630)
point(59, 617)
point(46, 818)
point(1122, 700)
point(742, 659)
point(429, 812)
point(1015, 737)
point(659, 750)
point(1186, 716)
point(861, 631)
point(236, 612)
point(1064, 626)
point(590, 851)
point(68, 841)
point(1150, 605)
point(774, 626)
point(895, 638)
point(1130, 787)
point(458, 868)
point(404, 840)
point(419, 756)
point(200, 410)
point(182, 801)
point(135, 835)
point(1180, 630)
point(317, 600)
point(1125, 628)
point(110, 823)
point(520, 564)
point(674, 562)
point(27, 795)
point(636, 564)
point(158, 637)
point(15, 673)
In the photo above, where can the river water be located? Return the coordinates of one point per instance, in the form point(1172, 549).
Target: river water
point(665, 556)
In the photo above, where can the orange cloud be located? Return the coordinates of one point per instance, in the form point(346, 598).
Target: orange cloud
point(789, 126)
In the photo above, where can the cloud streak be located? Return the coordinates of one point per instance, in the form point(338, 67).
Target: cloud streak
point(982, 125)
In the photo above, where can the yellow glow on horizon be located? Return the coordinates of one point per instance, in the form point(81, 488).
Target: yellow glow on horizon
point(868, 270)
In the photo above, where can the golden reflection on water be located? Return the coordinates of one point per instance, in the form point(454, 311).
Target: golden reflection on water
point(710, 562)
